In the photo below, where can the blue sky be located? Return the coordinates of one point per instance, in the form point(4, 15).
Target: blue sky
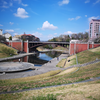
point(47, 18)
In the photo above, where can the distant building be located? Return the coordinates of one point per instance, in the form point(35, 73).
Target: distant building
point(74, 41)
point(16, 38)
point(1, 31)
point(37, 39)
point(7, 35)
point(29, 37)
point(94, 28)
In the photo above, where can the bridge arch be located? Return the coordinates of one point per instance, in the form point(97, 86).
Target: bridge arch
point(34, 45)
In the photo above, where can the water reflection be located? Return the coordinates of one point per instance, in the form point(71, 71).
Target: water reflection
point(39, 59)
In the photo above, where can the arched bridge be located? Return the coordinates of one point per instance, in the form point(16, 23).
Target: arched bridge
point(28, 46)
point(33, 45)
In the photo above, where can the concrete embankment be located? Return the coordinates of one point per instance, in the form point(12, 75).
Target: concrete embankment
point(16, 56)
point(15, 66)
point(39, 70)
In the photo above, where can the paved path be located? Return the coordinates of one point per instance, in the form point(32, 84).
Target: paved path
point(16, 56)
point(39, 70)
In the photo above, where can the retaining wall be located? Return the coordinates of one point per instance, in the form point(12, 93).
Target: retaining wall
point(78, 47)
point(19, 45)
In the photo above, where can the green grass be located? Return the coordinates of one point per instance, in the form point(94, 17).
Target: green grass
point(64, 62)
point(88, 91)
point(17, 96)
point(51, 78)
point(5, 51)
point(83, 73)
point(48, 97)
point(61, 48)
point(87, 56)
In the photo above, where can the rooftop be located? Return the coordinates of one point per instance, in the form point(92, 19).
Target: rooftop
point(96, 19)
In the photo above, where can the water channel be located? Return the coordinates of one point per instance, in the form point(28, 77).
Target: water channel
point(39, 59)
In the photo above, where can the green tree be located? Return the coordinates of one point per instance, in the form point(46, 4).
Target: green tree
point(67, 40)
point(10, 38)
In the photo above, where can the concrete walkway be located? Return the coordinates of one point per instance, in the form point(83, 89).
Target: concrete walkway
point(15, 66)
point(39, 70)
point(16, 56)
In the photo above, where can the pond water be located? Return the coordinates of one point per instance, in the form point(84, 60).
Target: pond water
point(39, 59)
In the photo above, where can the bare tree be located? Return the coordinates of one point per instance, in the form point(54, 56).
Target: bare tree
point(80, 36)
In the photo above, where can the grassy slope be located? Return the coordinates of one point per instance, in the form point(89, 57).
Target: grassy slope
point(3, 55)
point(61, 48)
point(57, 48)
point(83, 73)
point(87, 91)
point(83, 57)
point(83, 91)
point(64, 62)
point(88, 55)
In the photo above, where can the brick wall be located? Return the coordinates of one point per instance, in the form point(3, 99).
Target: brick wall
point(78, 47)
point(19, 45)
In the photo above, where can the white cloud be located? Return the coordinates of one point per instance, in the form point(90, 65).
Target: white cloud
point(85, 15)
point(37, 34)
point(24, 5)
point(11, 23)
point(19, 1)
point(93, 17)
point(87, 30)
point(97, 1)
point(6, 4)
point(68, 33)
point(55, 33)
point(1, 25)
point(15, 33)
point(50, 36)
point(10, 4)
point(63, 2)
point(70, 18)
point(47, 26)
point(87, 1)
point(9, 30)
point(21, 13)
point(76, 18)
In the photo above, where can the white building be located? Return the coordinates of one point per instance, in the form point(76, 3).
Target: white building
point(94, 28)
point(15, 39)
point(1, 31)
point(7, 35)
point(74, 41)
